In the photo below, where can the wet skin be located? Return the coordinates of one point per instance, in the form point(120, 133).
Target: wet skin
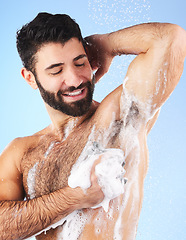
point(53, 170)
point(122, 120)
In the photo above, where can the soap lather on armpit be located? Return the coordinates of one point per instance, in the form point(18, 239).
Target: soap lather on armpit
point(110, 172)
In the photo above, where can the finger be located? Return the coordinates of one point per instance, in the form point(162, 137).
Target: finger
point(103, 69)
point(93, 176)
point(99, 74)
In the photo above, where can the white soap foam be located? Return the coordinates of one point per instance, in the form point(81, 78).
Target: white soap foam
point(69, 127)
point(31, 181)
point(109, 171)
point(73, 226)
point(49, 149)
point(112, 159)
point(133, 120)
point(59, 223)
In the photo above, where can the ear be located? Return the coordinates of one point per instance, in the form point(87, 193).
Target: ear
point(29, 77)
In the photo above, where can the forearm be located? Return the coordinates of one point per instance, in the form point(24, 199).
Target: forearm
point(140, 39)
point(21, 219)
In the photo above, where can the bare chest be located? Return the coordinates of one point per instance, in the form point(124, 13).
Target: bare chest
point(47, 166)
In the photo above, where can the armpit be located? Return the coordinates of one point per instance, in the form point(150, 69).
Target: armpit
point(132, 111)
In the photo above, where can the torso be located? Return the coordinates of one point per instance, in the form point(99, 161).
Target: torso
point(47, 164)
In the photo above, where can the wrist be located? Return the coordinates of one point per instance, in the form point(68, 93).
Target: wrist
point(69, 199)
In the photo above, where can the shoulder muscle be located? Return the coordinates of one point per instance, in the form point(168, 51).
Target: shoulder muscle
point(10, 173)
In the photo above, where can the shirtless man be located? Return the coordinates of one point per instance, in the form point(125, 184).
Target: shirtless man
point(60, 63)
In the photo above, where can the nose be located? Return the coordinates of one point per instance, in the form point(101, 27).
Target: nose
point(72, 78)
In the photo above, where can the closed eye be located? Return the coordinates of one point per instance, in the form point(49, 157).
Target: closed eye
point(80, 60)
point(80, 65)
point(55, 73)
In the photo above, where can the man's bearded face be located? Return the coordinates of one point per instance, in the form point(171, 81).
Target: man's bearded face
point(75, 109)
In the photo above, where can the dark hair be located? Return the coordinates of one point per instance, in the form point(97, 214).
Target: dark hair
point(43, 29)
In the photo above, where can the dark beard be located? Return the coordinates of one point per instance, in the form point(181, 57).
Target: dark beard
point(74, 109)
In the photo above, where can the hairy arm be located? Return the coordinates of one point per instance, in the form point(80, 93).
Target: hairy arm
point(20, 219)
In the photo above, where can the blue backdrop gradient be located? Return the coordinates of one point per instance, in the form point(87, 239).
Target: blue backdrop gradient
point(23, 112)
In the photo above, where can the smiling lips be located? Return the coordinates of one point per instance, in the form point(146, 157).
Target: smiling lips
point(75, 95)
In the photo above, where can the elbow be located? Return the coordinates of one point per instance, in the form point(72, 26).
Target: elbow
point(178, 39)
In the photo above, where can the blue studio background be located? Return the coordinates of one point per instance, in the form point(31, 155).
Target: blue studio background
point(23, 112)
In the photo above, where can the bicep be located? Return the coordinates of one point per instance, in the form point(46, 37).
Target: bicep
point(10, 190)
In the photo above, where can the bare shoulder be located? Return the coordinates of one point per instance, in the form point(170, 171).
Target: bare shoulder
point(15, 150)
point(10, 158)
point(10, 174)
point(11, 185)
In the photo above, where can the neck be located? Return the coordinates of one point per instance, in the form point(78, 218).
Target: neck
point(62, 124)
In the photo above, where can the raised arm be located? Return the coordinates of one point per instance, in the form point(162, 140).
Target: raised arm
point(20, 219)
point(154, 73)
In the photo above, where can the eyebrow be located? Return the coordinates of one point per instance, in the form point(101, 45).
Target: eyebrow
point(79, 57)
point(54, 65)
